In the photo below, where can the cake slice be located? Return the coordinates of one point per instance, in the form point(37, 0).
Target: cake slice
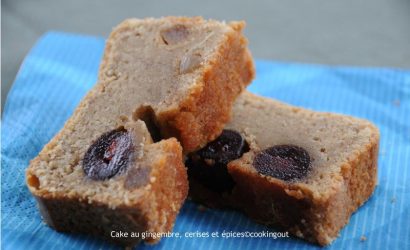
point(305, 171)
point(122, 186)
point(108, 170)
point(187, 71)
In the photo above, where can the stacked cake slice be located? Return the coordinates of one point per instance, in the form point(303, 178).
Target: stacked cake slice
point(111, 167)
point(305, 171)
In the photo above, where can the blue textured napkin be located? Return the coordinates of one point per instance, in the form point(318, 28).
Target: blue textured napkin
point(61, 68)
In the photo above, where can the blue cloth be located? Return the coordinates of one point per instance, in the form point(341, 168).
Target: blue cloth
point(61, 68)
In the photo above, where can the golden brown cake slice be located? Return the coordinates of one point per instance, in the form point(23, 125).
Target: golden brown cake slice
point(120, 182)
point(282, 165)
point(188, 71)
point(105, 170)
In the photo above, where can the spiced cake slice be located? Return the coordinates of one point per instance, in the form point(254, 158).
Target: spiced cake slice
point(282, 165)
point(188, 71)
point(108, 169)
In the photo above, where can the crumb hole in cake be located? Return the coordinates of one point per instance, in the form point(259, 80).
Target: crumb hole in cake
point(33, 181)
point(147, 115)
point(323, 150)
